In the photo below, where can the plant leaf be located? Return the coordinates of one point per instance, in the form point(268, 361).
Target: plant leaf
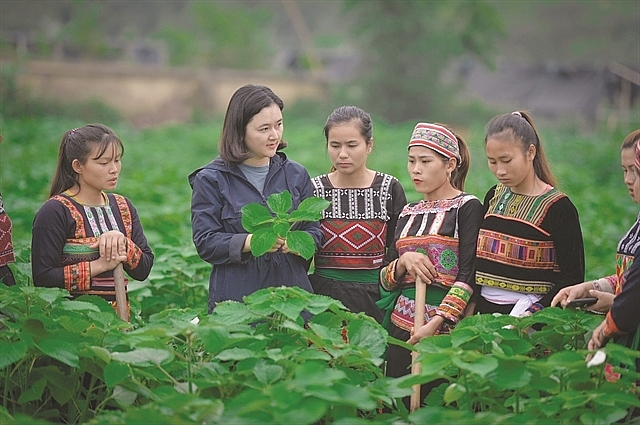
point(213, 337)
point(266, 373)
point(262, 241)
point(79, 305)
point(115, 372)
point(281, 228)
point(301, 242)
point(255, 216)
point(123, 396)
point(11, 352)
point(34, 392)
point(144, 356)
point(454, 392)
point(61, 351)
point(280, 203)
point(309, 210)
point(236, 354)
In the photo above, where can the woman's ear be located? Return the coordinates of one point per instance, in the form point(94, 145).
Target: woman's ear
point(370, 146)
point(77, 167)
point(531, 152)
point(452, 164)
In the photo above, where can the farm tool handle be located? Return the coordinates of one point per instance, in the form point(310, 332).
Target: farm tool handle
point(122, 307)
point(418, 322)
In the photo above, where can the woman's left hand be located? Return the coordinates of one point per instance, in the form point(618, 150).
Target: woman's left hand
point(428, 329)
point(285, 249)
point(598, 340)
point(111, 245)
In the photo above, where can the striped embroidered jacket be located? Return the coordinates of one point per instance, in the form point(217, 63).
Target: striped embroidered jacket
point(529, 244)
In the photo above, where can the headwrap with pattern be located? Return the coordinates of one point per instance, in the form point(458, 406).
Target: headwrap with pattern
point(437, 138)
point(638, 155)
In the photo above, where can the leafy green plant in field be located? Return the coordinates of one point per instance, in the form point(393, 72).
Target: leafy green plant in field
point(179, 278)
point(289, 356)
point(53, 353)
point(255, 361)
point(492, 364)
point(266, 228)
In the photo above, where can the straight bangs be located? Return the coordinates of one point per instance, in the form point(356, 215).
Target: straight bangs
point(110, 141)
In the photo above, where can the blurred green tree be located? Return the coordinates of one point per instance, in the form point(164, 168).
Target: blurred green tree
point(84, 33)
point(408, 46)
point(220, 34)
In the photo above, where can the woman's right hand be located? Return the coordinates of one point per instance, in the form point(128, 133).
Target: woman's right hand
point(104, 264)
point(417, 265)
point(570, 293)
point(280, 242)
point(604, 303)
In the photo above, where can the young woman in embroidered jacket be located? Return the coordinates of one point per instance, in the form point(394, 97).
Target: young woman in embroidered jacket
point(82, 233)
point(249, 169)
point(435, 239)
point(358, 226)
point(605, 288)
point(530, 243)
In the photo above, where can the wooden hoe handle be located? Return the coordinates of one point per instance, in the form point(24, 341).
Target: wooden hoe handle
point(418, 322)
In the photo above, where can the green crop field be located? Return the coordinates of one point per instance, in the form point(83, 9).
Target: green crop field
point(257, 362)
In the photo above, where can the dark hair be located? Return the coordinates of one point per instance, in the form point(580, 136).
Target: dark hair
point(631, 140)
point(519, 127)
point(78, 144)
point(345, 114)
point(246, 102)
point(459, 175)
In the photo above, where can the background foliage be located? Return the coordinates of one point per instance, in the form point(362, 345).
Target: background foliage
point(157, 161)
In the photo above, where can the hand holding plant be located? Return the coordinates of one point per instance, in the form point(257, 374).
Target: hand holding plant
point(267, 230)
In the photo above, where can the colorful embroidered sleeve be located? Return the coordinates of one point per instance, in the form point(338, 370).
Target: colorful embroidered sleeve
point(139, 255)
point(133, 254)
point(623, 316)
point(387, 276)
point(605, 284)
point(454, 303)
point(77, 277)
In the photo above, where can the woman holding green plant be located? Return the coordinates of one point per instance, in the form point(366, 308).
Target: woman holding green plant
point(359, 225)
point(435, 241)
point(249, 170)
point(530, 243)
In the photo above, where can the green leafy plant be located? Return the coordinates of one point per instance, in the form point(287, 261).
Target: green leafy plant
point(266, 226)
point(492, 365)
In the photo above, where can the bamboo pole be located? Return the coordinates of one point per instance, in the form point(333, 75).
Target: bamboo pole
point(418, 322)
point(121, 293)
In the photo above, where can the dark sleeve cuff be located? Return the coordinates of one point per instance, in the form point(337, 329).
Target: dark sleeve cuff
point(235, 248)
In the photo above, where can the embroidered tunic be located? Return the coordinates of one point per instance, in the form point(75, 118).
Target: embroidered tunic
point(627, 246)
point(63, 231)
point(355, 225)
point(6, 245)
point(358, 228)
point(529, 244)
point(446, 231)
